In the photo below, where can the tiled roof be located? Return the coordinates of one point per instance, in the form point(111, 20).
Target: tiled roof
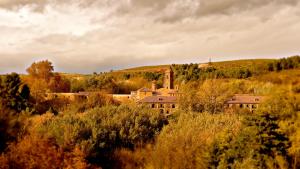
point(173, 91)
point(159, 99)
point(245, 99)
point(144, 89)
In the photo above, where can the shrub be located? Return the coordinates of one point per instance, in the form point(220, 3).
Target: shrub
point(185, 143)
point(100, 131)
point(40, 152)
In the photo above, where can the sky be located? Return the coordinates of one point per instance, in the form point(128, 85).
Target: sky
point(85, 36)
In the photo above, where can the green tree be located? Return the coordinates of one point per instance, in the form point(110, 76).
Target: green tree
point(259, 144)
point(185, 142)
point(14, 94)
point(100, 131)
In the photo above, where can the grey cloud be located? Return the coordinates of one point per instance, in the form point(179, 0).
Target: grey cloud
point(224, 29)
point(176, 10)
point(13, 4)
point(39, 5)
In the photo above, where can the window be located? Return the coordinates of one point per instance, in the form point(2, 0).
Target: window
point(173, 106)
point(153, 105)
point(161, 105)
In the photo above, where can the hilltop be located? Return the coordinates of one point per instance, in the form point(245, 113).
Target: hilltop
point(248, 63)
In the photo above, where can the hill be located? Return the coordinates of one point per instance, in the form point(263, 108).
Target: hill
point(247, 63)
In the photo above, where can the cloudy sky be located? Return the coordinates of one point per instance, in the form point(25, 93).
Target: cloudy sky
point(84, 36)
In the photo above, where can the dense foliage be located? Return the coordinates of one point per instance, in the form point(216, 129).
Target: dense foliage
point(266, 145)
point(101, 130)
point(14, 93)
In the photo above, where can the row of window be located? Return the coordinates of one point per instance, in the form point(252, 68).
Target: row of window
point(253, 106)
point(173, 106)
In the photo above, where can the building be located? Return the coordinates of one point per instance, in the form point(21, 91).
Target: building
point(121, 97)
point(165, 99)
point(165, 104)
point(169, 79)
point(245, 101)
point(68, 96)
point(82, 96)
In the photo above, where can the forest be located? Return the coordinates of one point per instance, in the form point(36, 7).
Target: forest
point(103, 133)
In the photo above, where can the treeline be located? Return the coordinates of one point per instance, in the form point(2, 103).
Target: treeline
point(285, 64)
point(192, 72)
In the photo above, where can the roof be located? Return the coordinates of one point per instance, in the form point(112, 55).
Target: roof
point(74, 94)
point(173, 91)
point(159, 99)
point(144, 89)
point(245, 99)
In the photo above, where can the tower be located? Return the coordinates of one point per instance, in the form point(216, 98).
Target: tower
point(153, 85)
point(168, 79)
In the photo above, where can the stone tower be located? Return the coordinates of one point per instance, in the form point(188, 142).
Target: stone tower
point(153, 85)
point(168, 79)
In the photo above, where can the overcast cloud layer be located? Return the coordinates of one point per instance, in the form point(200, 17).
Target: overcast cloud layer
point(84, 36)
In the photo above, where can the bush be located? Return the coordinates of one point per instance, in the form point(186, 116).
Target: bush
point(39, 152)
point(259, 144)
point(100, 131)
point(296, 88)
point(185, 143)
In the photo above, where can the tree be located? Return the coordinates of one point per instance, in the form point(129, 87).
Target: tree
point(41, 70)
point(185, 142)
point(212, 95)
point(14, 94)
point(189, 100)
point(42, 79)
point(59, 84)
point(100, 131)
point(40, 152)
point(8, 125)
point(259, 144)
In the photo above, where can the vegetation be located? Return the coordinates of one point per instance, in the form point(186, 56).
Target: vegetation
point(101, 133)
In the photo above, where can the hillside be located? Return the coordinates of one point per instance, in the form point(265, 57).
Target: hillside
point(248, 63)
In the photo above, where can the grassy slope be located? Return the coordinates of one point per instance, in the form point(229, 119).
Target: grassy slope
point(146, 69)
point(158, 68)
point(219, 65)
point(241, 63)
point(283, 77)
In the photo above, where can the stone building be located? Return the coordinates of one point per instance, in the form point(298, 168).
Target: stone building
point(165, 104)
point(68, 96)
point(245, 101)
point(165, 99)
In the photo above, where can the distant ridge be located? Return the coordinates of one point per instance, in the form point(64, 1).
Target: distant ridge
point(220, 65)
